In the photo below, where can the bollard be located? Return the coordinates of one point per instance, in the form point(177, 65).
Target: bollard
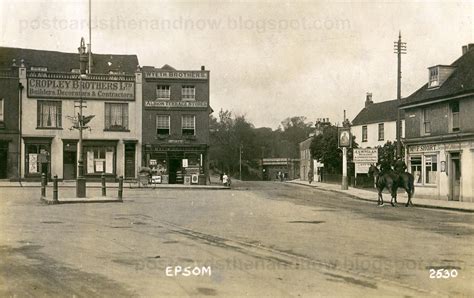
point(55, 189)
point(43, 185)
point(104, 190)
point(120, 188)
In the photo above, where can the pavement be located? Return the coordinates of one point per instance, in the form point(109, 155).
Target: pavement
point(371, 195)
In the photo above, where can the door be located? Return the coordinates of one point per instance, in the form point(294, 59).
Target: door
point(3, 159)
point(455, 177)
point(175, 171)
point(129, 160)
point(70, 165)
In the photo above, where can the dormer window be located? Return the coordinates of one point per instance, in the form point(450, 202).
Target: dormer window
point(434, 77)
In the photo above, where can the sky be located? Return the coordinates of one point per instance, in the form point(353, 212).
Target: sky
point(268, 60)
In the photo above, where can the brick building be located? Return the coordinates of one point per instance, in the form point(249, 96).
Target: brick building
point(176, 124)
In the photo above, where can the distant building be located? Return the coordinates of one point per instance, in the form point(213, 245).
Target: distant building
point(176, 124)
point(440, 131)
point(376, 123)
point(307, 163)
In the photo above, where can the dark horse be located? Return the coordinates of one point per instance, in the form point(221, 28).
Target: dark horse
point(391, 180)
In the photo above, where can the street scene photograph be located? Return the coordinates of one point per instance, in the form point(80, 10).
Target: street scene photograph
point(225, 148)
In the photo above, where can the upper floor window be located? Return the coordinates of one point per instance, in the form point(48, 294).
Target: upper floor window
point(434, 77)
point(381, 132)
point(116, 116)
point(49, 114)
point(426, 121)
point(188, 125)
point(75, 70)
point(188, 93)
point(163, 92)
point(454, 106)
point(163, 124)
point(1, 110)
point(364, 133)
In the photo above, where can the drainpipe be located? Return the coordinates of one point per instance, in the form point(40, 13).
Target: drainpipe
point(20, 91)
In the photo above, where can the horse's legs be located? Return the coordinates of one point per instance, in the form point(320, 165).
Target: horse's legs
point(380, 198)
point(410, 193)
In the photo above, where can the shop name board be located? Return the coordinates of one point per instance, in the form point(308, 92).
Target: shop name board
point(423, 148)
point(91, 89)
point(362, 167)
point(175, 104)
point(366, 155)
point(194, 75)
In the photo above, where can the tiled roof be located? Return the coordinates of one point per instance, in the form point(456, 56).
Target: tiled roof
point(378, 112)
point(461, 81)
point(65, 62)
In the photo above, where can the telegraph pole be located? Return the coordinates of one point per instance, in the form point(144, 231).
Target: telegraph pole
point(240, 162)
point(399, 49)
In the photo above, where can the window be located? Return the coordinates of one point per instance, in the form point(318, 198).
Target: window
point(431, 169)
point(434, 78)
point(37, 159)
point(188, 125)
point(163, 124)
point(38, 68)
point(1, 110)
point(415, 165)
point(75, 70)
point(455, 115)
point(188, 93)
point(99, 159)
point(426, 121)
point(163, 92)
point(49, 114)
point(381, 132)
point(116, 116)
point(425, 169)
point(364, 133)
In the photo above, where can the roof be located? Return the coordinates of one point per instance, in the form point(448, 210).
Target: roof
point(461, 81)
point(65, 62)
point(385, 111)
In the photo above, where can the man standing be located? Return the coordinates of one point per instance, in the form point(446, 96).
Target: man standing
point(310, 176)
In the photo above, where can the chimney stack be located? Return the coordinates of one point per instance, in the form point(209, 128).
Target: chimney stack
point(82, 56)
point(368, 99)
point(203, 67)
point(467, 48)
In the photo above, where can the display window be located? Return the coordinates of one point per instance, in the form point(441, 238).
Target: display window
point(425, 169)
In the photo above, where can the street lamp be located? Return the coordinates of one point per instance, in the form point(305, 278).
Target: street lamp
point(81, 180)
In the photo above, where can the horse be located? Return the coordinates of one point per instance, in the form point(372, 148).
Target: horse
point(392, 181)
point(382, 181)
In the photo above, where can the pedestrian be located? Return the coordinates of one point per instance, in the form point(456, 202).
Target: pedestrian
point(225, 179)
point(310, 176)
point(220, 177)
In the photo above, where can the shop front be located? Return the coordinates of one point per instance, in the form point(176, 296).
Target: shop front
point(176, 164)
point(100, 157)
point(37, 157)
point(443, 170)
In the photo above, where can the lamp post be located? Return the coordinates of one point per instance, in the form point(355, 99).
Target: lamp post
point(81, 180)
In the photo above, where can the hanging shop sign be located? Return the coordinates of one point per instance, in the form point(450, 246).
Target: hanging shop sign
point(345, 139)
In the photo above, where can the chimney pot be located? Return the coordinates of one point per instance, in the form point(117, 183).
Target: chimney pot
point(203, 67)
point(464, 50)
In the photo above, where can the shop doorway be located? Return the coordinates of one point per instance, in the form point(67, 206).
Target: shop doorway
point(3, 159)
point(455, 177)
point(175, 171)
point(70, 161)
point(129, 160)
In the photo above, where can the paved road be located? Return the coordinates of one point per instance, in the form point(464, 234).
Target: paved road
point(260, 238)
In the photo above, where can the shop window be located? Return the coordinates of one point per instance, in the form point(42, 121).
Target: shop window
point(116, 116)
point(162, 124)
point(188, 125)
point(37, 159)
point(364, 133)
point(425, 169)
point(163, 92)
point(100, 159)
point(188, 93)
point(455, 116)
point(426, 121)
point(49, 114)
point(431, 169)
point(415, 165)
point(381, 132)
point(1, 110)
